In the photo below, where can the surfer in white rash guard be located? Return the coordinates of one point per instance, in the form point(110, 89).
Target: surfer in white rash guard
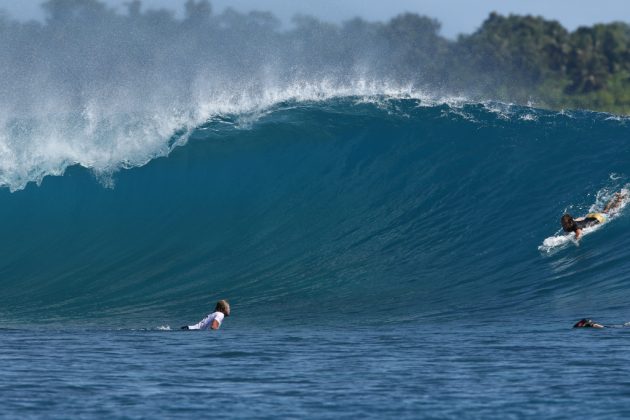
point(214, 320)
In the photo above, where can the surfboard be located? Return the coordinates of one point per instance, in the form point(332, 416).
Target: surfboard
point(562, 239)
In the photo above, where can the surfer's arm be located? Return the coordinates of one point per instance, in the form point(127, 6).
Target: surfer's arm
point(217, 320)
point(578, 232)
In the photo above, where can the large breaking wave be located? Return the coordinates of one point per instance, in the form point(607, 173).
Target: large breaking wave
point(320, 207)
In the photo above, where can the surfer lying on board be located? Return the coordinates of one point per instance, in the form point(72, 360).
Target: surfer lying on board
point(587, 323)
point(569, 224)
point(213, 320)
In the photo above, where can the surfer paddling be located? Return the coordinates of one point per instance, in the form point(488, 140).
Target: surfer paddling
point(214, 320)
point(569, 224)
point(587, 323)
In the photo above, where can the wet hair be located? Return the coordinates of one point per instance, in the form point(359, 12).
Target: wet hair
point(568, 224)
point(223, 306)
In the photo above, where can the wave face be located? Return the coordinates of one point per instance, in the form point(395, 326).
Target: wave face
point(361, 207)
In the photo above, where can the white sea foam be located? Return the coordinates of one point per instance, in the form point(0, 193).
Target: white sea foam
point(115, 132)
point(528, 117)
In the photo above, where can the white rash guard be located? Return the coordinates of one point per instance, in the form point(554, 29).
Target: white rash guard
point(207, 321)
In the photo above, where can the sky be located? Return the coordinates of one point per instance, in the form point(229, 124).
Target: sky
point(457, 16)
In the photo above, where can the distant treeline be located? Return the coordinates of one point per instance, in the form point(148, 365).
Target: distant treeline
point(514, 58)
point(530, 56)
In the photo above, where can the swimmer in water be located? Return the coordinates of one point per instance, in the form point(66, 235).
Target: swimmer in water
point(569, 224)
point(587, 323)
point(214, 320)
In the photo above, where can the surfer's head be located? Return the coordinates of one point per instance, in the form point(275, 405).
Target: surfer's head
point(568, 224)
point(223, 306)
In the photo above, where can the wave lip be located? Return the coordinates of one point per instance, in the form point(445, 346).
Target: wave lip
point(107, 137)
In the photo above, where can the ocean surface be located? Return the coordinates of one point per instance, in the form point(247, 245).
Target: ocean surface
point(385, 256)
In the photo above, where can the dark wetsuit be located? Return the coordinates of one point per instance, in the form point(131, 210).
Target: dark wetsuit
point(587, 222)
point(591, 219)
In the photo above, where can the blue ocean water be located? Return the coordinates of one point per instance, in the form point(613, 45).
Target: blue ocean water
point(383, 256)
